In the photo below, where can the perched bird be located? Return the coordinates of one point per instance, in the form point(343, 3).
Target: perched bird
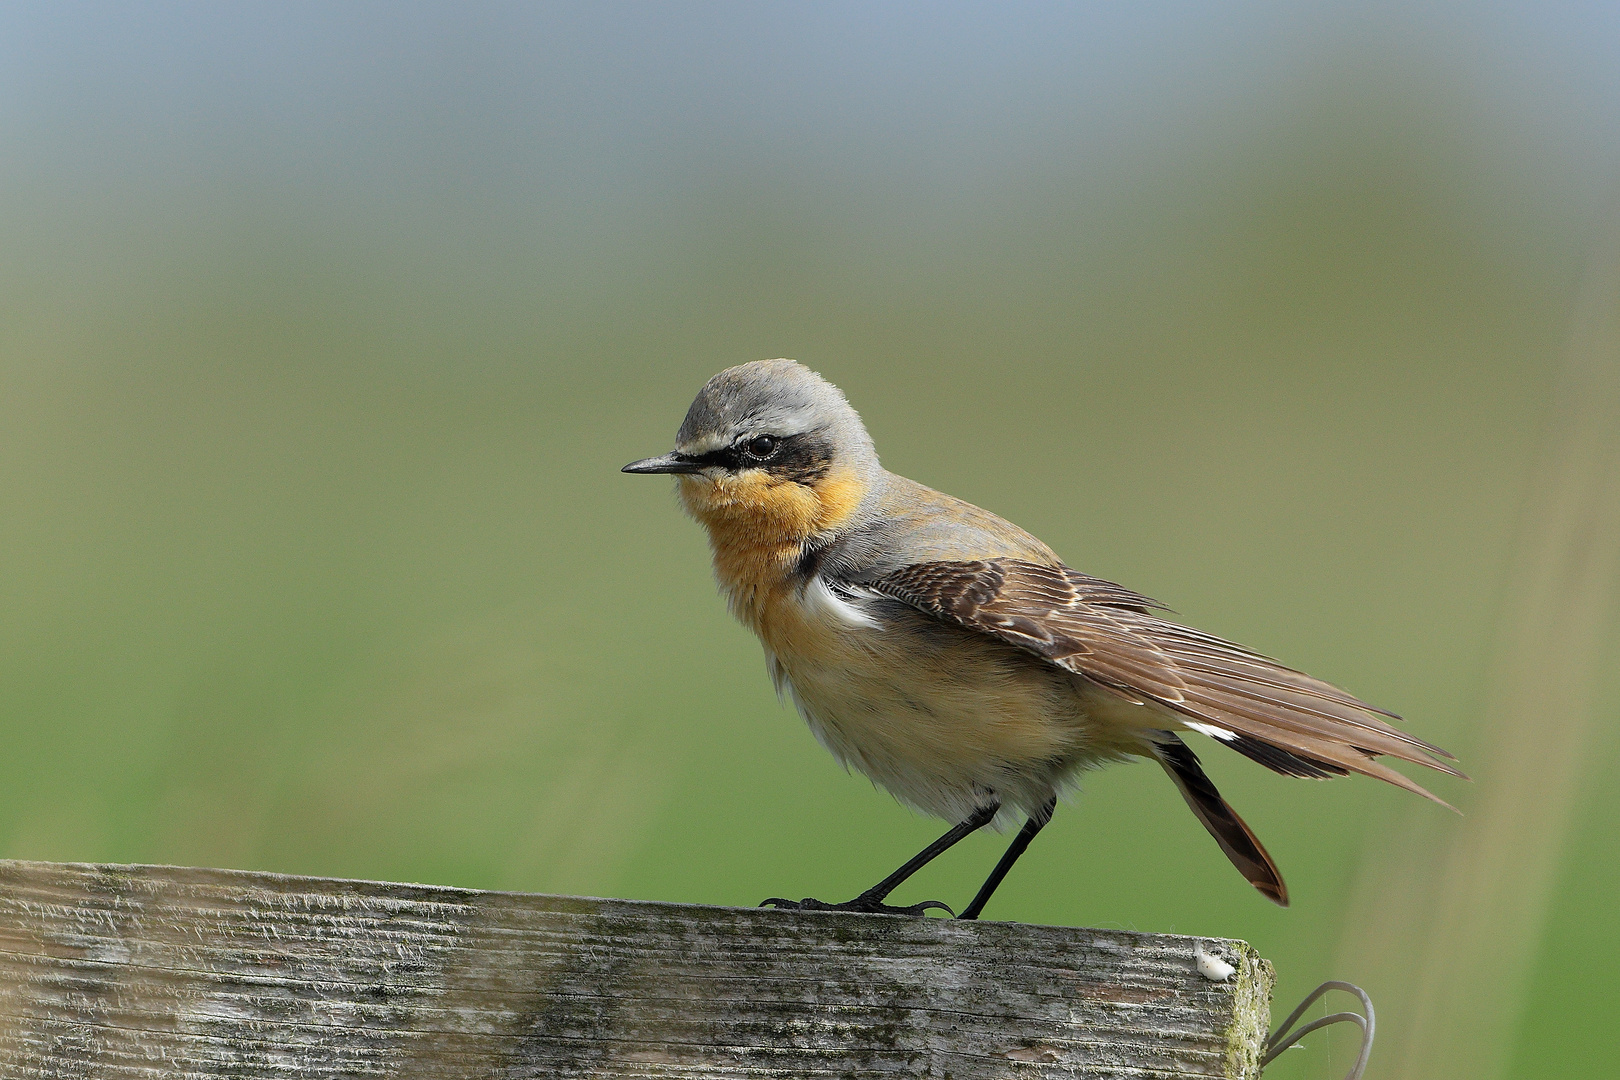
point(955, 660)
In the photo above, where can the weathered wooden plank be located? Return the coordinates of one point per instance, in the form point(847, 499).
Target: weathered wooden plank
point(125, 972)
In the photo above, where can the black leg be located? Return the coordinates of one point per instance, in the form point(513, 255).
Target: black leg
point(1037, 821)
point(872, 899)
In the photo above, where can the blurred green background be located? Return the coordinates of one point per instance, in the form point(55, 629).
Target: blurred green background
point(324, 332)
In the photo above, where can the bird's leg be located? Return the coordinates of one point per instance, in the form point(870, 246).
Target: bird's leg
point(1037, 821)
point(871, 901)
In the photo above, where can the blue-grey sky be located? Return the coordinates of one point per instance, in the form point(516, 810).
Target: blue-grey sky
point(582, 101)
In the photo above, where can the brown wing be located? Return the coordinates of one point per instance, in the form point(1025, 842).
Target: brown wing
point(1284, 719)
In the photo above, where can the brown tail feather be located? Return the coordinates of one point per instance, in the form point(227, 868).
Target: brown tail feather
point(1345, 759)
point(1236, 839)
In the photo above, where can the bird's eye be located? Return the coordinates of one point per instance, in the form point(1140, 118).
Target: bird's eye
point(760, 446)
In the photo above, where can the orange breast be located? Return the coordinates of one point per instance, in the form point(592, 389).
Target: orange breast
point(758, 525)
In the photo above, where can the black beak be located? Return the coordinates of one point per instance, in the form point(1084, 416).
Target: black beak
point(671, 462)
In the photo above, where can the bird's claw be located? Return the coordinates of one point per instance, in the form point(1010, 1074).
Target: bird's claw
point(865, 905)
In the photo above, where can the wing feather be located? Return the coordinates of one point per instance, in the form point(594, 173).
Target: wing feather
point(1110, 635)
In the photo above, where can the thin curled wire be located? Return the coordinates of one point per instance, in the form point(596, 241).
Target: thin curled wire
point(1282, 1038)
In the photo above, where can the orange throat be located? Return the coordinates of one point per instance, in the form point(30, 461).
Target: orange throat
point(758, 527)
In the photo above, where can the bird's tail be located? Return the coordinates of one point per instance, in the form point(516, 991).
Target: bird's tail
point(1223, 823)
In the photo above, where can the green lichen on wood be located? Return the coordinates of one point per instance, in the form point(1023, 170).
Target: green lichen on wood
point(1251, 1012)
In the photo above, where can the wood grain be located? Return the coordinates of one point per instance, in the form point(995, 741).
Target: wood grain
point(113, 972)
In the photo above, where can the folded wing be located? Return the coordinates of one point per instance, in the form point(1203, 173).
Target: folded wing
point(1286, 720)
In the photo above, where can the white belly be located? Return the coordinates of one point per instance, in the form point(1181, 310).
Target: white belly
point(944, 719)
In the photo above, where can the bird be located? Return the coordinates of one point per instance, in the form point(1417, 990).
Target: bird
point(957, 661)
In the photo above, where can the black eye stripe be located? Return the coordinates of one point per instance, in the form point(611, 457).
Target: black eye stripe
point(801, 457)
point(726, 457)
point(804, 457)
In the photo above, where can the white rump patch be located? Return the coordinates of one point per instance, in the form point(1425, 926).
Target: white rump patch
point(822, 601)
point(1209, 729)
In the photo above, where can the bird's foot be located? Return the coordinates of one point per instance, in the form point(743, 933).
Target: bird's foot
point(864, 903)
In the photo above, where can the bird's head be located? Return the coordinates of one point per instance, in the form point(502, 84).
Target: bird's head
point(770, 452)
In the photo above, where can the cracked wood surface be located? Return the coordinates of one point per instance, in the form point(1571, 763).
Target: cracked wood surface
point(125, 972)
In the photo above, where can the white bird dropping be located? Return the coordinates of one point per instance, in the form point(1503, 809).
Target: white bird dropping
point(1211, 966)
